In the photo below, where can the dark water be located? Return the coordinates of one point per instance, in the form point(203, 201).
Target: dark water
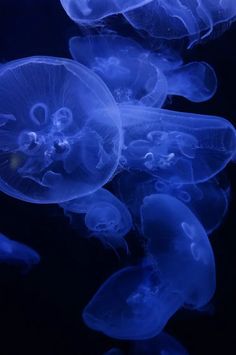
point(41, 313)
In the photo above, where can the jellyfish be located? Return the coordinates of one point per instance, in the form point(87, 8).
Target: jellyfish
point(105, 217)
point(163, 344)
point(123, 65)
point(181, 247)
point(12, 252)
point(175, 146)
point(175, 19)
point(134, 303)
point(90, 11)
point(209, 200)
point(136, 75)
point(60, 133)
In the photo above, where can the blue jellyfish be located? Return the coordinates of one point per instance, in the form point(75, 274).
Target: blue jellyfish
point(163, 344)
point(181, 247)
point(209, 200)
point(134, 303)
point(178, 147)
point(86, 11)
point(123, 65)
point(60, 133)
point(105, 216)
point(12, 252)
point(136, 75)
point(173, 19)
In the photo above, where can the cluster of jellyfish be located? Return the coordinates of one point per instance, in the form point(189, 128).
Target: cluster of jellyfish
point(68, 127)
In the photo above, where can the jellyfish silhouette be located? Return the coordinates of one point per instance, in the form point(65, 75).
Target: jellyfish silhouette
point(134, 303)
point(178, 147)
point(175, 19)
point(86, 11)
point(105, 217)
point(181, 247)
point(163, 344)
point(12, 252)
point(136, 75)
point(59, 130)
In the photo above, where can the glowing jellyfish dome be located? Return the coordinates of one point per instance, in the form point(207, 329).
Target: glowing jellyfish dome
point(59, 130)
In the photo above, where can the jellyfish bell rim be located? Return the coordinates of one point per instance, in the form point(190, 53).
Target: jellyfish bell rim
point(75, 68)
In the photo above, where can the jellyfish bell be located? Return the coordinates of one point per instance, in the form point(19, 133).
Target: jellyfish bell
point(12, 252)
point(105, 217)
point(90, 11)
point(181, 247)
point(175, 19)
point(60, 132)
point(124, 66)
point(134, 303)
point(175, 146)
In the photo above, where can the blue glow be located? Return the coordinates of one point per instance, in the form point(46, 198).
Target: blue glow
point(175, 19)
point(105, 217)
point(12, 252)
point(43, 126)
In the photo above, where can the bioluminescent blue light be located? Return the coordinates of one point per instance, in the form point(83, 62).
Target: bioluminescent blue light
point(209, 200)
point(86, 11)
point(176, 146)
point(12, 252)
point(105, 216)
point(59, 130)
point(123, 65)
point(181, 247)
point(173, 19)
point(136, 75)
point(163, 344)
point(134, 303)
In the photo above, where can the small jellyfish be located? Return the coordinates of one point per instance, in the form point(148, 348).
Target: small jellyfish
point(181, 247)
point(105, 217)
point(175, 146)
point(163, 344)
point(175, 19)
point(12, 252)
point(60, 133)
point(87, 11)
point(124, 66)
point(134, 303)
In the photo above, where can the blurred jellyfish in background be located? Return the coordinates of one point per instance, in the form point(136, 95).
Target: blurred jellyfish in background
point(114, 351)
point(60, 132)
point(163, 344)
point(136, 75)
point(209, 200)
point(174, 19)
point(178, 147)
point(12, 252)
point(179, 243)
point(105, 217)
point(134, 303)
point(90, 11)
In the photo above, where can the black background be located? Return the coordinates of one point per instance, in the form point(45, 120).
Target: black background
point(40, 313)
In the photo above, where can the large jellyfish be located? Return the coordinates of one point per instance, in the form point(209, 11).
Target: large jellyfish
point(181, 247)
point(208, 200)
point(173, 19)
point(86, 11)
point(163, 344)
point(134, 303)
point(136, 75)
point(105, 216)
point(59, 130)
point(176, 146)
point(12, 252)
